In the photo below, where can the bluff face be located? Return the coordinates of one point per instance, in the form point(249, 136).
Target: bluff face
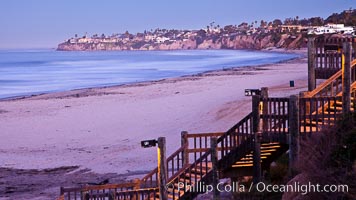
point(256, 42)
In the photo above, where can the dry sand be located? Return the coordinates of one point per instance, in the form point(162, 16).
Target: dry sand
point(100, 129)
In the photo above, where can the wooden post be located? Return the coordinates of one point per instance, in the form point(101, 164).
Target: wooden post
point(307, 105)
point(137, 183)
point(264, 95)
point(257, 142)
point(214, 162)
point(185, 145)
point(293, 132)
point(162, 168)
point(311, 64)
point(346, 78)
point(61, 197)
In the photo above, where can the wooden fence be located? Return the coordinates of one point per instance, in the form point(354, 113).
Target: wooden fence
point(318, 113)
point(275, 117)
point(328, 55)
point(107, 191)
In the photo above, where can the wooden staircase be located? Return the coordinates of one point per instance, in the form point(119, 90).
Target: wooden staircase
point(269, 152)
point(233, 154)
point(234, 150)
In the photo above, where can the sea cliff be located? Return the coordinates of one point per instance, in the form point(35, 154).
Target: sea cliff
point(255, 41)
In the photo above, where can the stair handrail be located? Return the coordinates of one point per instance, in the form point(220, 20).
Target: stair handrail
point(329, 102)
point(233, 130)
point(353, 86)
point(324, 85)
point(147, 181)
point(93, 189)
point(328, 82)
point(221, 141)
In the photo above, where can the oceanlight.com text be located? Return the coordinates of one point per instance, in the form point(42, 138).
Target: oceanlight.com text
point(302, 188)
point(260, 187)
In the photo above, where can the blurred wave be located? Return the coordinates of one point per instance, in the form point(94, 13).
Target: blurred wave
point(27, 72)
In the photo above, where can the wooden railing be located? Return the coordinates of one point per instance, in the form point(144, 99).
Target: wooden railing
point(97, 191)
point(199, 171)
point(327, 63)
point(317, 113)
point(174, 164)
point(199, 143)
point(332, 86)
point(141, 194)
point(150, 180)
point(275, 119)
point(186, 183)
point(328, 60)
point(235, 136)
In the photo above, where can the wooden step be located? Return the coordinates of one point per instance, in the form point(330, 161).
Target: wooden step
point(337, 109)
point(186, 181)
point(271, 147)
point(176, 191)
point(243, 165)
point(210, 165)
point(200, 170)
point(268, 150)
point(244, 162)
point(307, 129)
point(175, 197)
point(154, 197)
point(332, 113)
point(268, 144)
point(339, 103)
point(193, 176)
point(251, 158)
point(262, 154)
point(318, 123)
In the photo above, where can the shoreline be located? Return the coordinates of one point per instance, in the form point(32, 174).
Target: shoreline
point(89, 134)
point(301, 53)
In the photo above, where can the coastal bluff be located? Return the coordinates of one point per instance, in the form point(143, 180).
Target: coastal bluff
point(194, 41)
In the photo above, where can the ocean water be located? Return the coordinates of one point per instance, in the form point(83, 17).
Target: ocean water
point(28, 72)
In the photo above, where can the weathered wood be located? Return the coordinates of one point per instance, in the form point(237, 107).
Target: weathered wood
point(325, 85)
point(214, 162)
point(274, 119)
point(257, 144)
point(311, 64)
point(120, 186)
point(174, 162)
point(257, 169)
point(346, 78)
point(293, 132)
point(323, 113)
point(264, 96)
point(162, 168)
point(185, 145)
point(61, 190)
point(137, 183)
point(255, 113)
point(215, 134)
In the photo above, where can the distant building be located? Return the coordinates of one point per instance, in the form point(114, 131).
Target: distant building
point(290, 28)
point(331, 29)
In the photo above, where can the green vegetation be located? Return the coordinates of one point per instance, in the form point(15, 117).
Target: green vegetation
point(347, 17)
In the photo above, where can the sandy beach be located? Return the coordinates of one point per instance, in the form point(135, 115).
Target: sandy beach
point(89, 134)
